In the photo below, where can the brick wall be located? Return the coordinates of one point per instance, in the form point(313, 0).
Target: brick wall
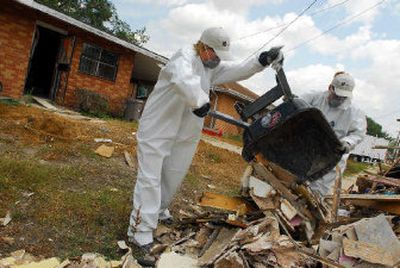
point(224, 105)
point(116, 91)
point(16, 33)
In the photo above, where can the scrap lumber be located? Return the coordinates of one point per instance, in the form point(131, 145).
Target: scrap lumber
point(286, 177)
point(44, 103)
point(388, 203)
point(218, 247)
point(219, 201)
point(381, 180)
point(378, 231)
point(336, 194)
point(267, 175)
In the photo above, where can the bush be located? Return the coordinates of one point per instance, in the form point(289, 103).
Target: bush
point(92, 103)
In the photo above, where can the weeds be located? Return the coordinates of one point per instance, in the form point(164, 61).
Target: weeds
point(213, 157)
point(354, 167)
point(10, 102)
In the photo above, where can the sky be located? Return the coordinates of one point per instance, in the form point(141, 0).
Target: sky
point(361, 37)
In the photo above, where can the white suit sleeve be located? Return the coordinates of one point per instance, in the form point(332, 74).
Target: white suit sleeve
point(309, 98)
point(358, 129)
point(232, 71)
point(186, 82)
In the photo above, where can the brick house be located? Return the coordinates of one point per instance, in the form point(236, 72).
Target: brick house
point(49, 54)
point(223, 98)
point(46, 53)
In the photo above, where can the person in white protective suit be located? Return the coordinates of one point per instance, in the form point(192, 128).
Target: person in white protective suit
point(348, 122)
point(172, 120)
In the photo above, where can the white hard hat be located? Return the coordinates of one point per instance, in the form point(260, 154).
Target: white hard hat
point(343, 84)
point(217, 39)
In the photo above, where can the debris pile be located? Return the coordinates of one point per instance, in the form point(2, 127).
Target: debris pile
point(279, 223)
point(369, 242)
point(21, 258)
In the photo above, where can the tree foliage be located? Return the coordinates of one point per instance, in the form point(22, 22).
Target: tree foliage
point(100, 14)
point(375, 129)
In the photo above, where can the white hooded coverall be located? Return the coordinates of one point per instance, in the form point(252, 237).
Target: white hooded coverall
point(349, 125)
point(169, 132)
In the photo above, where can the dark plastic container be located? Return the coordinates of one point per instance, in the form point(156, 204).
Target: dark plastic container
point(296, 137)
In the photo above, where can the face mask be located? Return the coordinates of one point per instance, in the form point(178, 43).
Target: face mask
point(335, 102)
point(211, 63)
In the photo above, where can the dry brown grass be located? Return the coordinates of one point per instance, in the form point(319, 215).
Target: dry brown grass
point(81, 201)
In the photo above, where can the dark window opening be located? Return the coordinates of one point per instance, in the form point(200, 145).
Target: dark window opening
point(98, 62)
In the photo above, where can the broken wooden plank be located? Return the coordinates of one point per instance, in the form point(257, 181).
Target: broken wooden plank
point(267, 175)
point(210, 240)
point(218, 246)
point(128, 159)
point(378, 231)
point(388, 203)
point(368, 252)
point(286, 177)
point(373, 197)
point(44, 103)
point(382, 180)
point(336, 195)
point(219, 201)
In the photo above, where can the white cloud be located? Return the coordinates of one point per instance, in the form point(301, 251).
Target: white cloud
point(237, 6)
point(331, 45)
point(355, 7)
point(378, 80)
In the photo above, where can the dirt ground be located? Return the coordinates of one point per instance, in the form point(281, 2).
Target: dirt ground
point(66, 200)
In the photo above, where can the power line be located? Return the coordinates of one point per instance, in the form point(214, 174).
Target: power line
point(284, 29)
point(345, 21)
point(328, 8)
point(284, 24)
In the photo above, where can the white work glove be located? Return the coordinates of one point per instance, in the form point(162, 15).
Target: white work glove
point(345, 148)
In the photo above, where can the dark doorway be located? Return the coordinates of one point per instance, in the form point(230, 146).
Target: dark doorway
point(42, 64)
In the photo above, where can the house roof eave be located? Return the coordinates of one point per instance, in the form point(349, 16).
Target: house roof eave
point(69, 20)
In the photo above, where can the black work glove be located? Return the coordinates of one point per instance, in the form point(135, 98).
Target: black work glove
point(345, 147)
point(203, 110)
point(268, 57)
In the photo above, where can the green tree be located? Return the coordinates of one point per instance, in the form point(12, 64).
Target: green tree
point(100, 14)
point(375, 129)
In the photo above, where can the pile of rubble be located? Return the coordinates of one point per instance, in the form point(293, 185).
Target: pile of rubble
point(283, 224)
point(276, 222)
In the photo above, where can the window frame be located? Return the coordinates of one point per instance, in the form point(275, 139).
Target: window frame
point(98, 62)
